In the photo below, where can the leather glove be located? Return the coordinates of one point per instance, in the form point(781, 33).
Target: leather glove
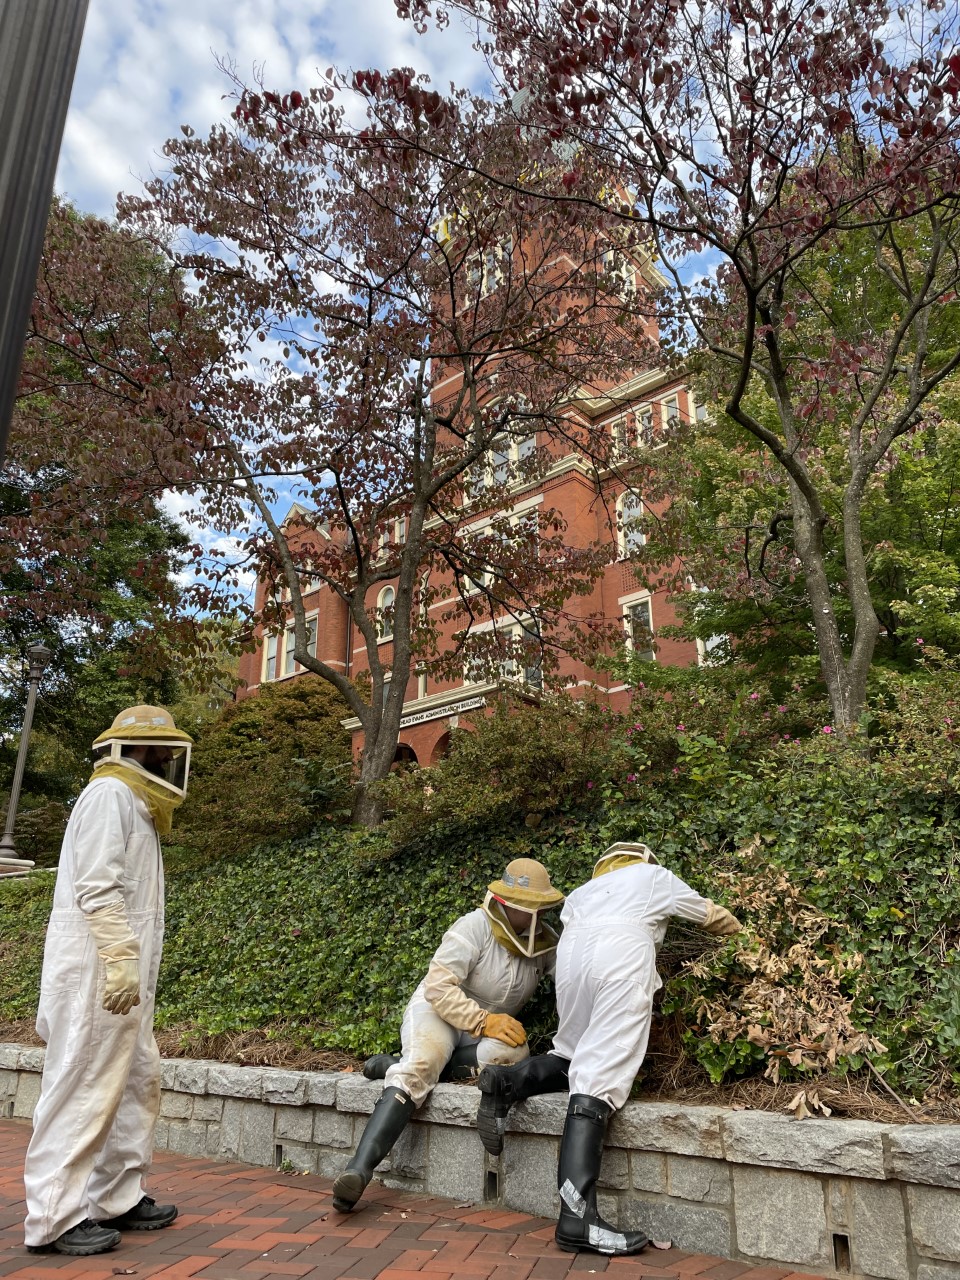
point(119, 948)
point(500, 1026)
point(122, 990)
point(721, 921)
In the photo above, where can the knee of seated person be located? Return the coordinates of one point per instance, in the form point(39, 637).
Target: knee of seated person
point(494, 1053)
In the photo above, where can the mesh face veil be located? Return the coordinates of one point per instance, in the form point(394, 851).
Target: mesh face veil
point(168, 764)
point(524, 887)
point(624, 853)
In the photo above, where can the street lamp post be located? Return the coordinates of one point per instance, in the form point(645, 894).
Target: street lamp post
point(39, 656)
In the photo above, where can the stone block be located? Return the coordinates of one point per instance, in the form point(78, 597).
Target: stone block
point(331, 1129)
point(168, 1073)
point(691, 1227)
point(850, 1147)
point(257, 1143)
point(28, 1095)
point(176, 1106)
point(213, 1140)
point(926, 1271)
point(231, 1122)
point(668, 1126)
point(614, 1169)
point(878, 1236)
point(543, 1115)
point(456, 1166)
point(928, 1153)
point(703, 1181)
point(188, 1138)
point(935, 1221)
point(452, 1104)
point(648, 1170)
point(322, 1088)
point(302, 1158)
point(191, 1076)
point(284, 1088)
point(31, 1059)
point(408, 1158)
point(330, 1164)
point(161, 1135)
point(234, 1082)
point(781, 1217)
point(207, 1108)
point(8, 1082)
point(9, 1056)
point(357, 1095)
point(293, 1123)
point(528, 1170)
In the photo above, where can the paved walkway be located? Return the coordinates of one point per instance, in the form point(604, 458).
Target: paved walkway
point(238, 1222)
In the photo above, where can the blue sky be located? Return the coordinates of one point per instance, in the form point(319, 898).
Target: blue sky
point(148, 66)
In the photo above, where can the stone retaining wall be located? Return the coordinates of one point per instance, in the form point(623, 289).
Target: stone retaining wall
point(841, 1197)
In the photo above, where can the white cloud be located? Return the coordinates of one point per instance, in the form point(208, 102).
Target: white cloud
point(148, 66)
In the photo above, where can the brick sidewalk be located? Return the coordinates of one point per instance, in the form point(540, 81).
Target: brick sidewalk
point(238, 1222)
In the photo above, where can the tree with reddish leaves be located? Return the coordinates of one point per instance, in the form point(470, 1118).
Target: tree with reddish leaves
point(404, 350)
point(104, 422)
point(758, 136)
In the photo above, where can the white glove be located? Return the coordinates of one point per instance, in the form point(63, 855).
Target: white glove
point(119, 948)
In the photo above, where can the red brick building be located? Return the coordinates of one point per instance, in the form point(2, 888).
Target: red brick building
point(637, 414)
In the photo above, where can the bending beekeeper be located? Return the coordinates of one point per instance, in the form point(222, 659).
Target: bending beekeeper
point(606, 978)
point(486, 968)
point(100, 1095)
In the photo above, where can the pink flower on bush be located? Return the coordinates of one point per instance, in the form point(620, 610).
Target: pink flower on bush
point(754, 697)
point(631, 777)
point(781, 708)
point(589, 786)
point(675, 769)
point(827, 728)
point(920, 641)
point(681, 728)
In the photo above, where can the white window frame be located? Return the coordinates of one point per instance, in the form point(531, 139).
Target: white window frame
point(628, 603)
point(666, 417)
point(384, 636)
point(278, 649)
point(629, 541)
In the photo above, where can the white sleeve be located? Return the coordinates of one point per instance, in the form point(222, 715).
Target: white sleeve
point(687, 904)
point(103, 822)
point(452, 963)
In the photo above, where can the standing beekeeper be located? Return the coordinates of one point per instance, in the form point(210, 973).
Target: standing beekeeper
point(485, 970)
point(100, 1096)
point(606, 978)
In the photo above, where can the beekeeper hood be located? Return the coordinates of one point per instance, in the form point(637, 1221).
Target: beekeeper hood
point(524, 886)
point(623, 854)
point(161, 780)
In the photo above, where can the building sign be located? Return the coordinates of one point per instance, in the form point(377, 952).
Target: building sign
point(448, 709)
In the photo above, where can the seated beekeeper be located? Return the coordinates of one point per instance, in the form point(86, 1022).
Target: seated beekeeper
point(606, 978)
point(486, 968)
point(93, 1129)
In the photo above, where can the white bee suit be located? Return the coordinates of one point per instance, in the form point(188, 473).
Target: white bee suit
point(607, 973)
point(470, 975)
point(100, 1097)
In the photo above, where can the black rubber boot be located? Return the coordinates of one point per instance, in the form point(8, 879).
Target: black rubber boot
point(85, 1238)
point(376, 1068)
point(462, 1064)
point(580, 1228)
point(146, 1215)
point(384, 1127)
point(501, 1087)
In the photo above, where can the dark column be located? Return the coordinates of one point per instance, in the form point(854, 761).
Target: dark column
point(39, 44)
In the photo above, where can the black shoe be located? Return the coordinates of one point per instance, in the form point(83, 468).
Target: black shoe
point(462, 1064)
point(85, 1238)
point(394, 1108)
point(501, 1087)
point(580, 1228)
point(145, 1216)
point(376, 1068)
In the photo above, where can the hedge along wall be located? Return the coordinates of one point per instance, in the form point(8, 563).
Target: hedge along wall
point(842, 1197)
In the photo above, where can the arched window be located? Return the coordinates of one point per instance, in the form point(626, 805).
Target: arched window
point(630, 535)
point(385, 602)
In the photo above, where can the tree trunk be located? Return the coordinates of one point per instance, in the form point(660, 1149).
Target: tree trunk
point(367, 808)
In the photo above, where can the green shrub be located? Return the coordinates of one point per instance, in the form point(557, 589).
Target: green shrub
point(268, 769)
